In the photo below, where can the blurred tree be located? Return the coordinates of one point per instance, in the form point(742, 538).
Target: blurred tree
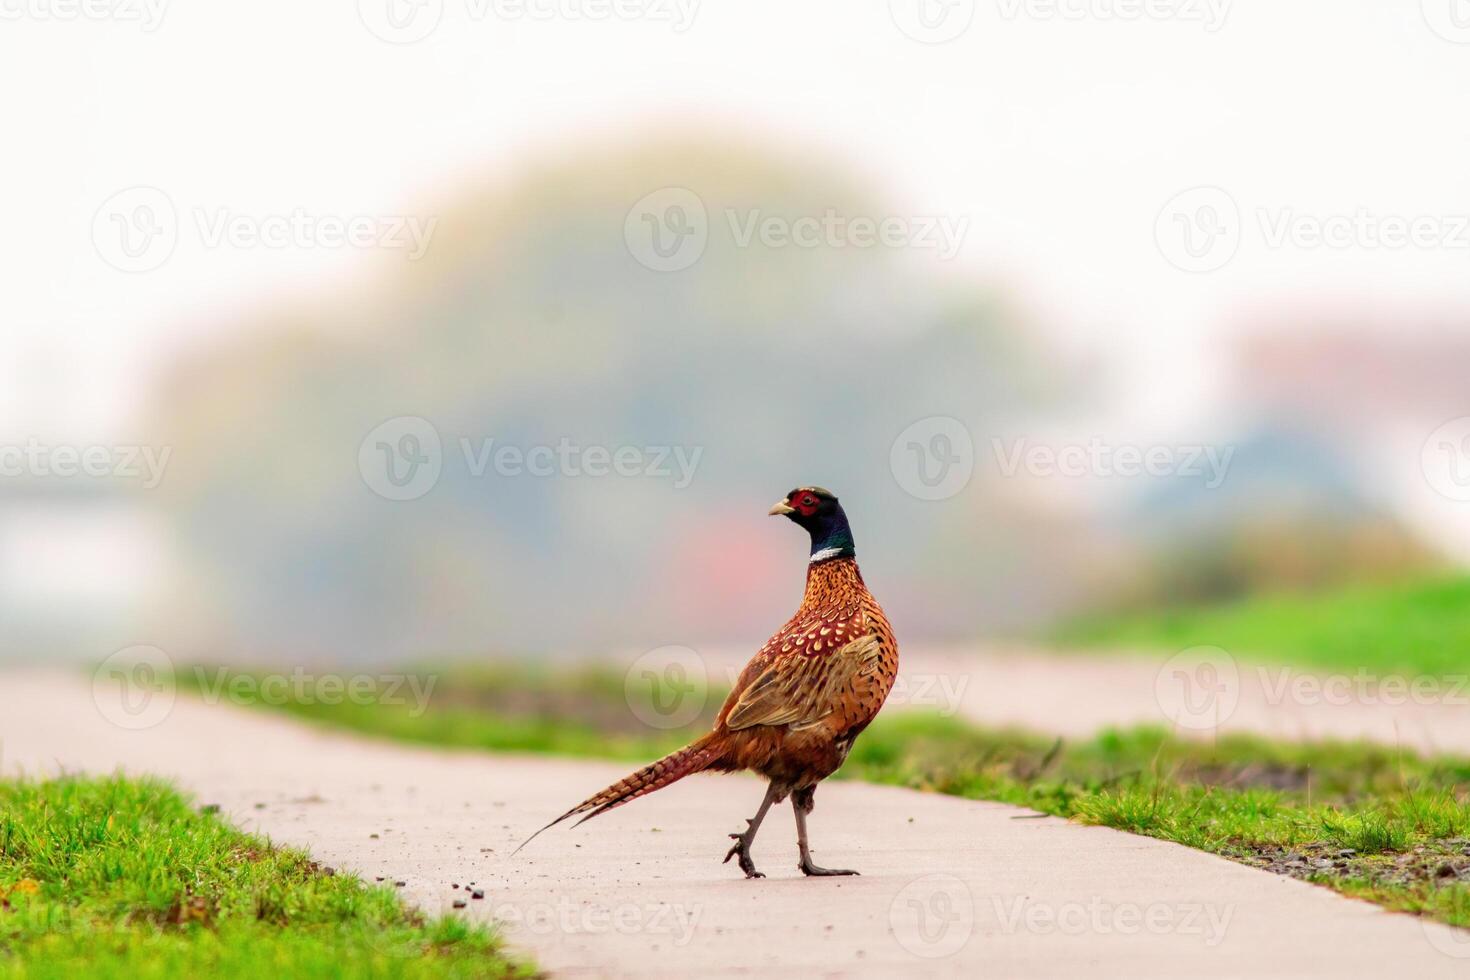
point(529, 321)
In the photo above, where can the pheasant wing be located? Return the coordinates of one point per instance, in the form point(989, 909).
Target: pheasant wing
point(801, 688)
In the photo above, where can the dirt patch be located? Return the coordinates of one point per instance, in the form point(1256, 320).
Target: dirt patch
point(1433, 863)
point(1282, 778)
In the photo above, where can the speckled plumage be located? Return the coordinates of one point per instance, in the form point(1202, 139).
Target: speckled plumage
point(815, 685)
point(805, 696)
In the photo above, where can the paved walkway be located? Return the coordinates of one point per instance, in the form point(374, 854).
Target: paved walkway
point(950, 887)
point(1198, 694)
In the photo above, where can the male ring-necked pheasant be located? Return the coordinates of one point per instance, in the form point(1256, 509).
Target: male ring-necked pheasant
point(801, 701)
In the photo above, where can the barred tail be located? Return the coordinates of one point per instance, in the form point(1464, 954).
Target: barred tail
point(694, 757)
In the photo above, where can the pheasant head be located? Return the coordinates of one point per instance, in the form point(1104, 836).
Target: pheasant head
point(819, 512)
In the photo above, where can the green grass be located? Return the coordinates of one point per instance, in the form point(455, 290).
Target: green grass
point(1369, 821)
point(1414, 628)
point(117, 877)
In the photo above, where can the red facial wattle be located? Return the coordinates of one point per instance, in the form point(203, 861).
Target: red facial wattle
point(806, 504)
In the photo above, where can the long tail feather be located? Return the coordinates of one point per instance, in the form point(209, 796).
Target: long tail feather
point(694, 757)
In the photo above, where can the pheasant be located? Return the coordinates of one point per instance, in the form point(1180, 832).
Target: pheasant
point(802, 700)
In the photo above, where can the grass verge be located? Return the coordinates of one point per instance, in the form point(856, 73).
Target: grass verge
point(1414, 628)
point(1368, 821)
point(118, 877)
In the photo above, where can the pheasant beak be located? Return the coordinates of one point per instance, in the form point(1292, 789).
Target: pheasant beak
point(781, 508)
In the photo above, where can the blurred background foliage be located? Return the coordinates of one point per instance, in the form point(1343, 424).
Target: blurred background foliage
point(528, 321)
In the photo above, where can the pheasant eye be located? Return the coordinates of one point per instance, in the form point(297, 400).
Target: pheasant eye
point(809, 500)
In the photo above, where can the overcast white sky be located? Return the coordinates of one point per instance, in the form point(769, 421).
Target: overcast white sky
point(1061, 138)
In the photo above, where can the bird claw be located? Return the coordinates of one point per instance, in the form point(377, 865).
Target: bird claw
point(812, 871)
point(741, 850)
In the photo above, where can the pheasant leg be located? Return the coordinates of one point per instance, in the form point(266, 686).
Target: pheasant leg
point(743, 841)
point(802, 803)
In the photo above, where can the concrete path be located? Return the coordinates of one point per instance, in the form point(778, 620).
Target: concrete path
point(950, 888)
point(1198, 693)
